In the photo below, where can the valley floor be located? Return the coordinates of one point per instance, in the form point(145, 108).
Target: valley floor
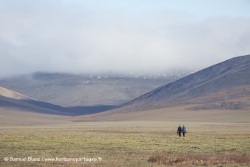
point(135, 143)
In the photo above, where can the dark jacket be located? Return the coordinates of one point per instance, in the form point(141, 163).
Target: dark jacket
point(179, 129)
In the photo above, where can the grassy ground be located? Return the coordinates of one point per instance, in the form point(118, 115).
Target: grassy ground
point(126, 144)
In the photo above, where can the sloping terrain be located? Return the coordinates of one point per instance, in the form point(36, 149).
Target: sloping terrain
point(87, 90)
point(221, 92)
point(218, 93)
point(11, 94)
point(222, 86)
point(11, 100)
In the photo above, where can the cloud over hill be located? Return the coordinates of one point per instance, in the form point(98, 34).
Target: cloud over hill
point(81, 36)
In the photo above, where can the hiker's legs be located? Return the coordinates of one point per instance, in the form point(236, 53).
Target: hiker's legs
point(183, 134)
point(179, 134)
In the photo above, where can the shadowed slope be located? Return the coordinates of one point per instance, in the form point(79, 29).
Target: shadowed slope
point(10, 99)
point(199, 87)
point(218, 93)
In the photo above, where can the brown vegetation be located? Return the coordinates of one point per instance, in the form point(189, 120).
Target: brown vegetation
point(204, 160)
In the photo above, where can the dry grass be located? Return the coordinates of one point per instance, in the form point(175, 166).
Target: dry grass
point(128, 144)
point(200, 160)
point(179, 113)
point(18, 117)
point(11, 94)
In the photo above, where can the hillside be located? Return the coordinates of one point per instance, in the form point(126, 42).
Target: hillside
point(11, 94)
point(215, 87)
point(88, 90)
point(11, 100)
point(17, 109)
point(14, 101)
point(216, 92)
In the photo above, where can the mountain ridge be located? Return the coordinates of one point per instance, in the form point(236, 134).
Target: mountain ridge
point(223, 86)
point(210, 80)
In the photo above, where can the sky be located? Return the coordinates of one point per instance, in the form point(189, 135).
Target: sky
point(120, 36)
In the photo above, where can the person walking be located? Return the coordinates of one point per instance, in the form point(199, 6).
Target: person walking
point(179, 131)
point(184, 130)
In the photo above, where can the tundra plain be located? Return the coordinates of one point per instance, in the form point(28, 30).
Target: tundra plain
point(62, 140)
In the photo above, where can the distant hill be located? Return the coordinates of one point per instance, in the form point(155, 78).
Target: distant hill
point(222, 86)
point(11, 100)
point(214, 93)
point(88, 90)
point(11, 94)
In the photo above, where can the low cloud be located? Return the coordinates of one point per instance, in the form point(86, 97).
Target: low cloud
point(73, 38)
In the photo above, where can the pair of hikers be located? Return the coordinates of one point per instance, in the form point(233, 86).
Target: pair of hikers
point(181, 129)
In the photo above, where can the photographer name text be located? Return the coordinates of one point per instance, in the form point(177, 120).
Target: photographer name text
point(55, 159)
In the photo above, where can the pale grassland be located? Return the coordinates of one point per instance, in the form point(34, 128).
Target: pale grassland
point(179, 113)
point(128, 144)
point(18, 117)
